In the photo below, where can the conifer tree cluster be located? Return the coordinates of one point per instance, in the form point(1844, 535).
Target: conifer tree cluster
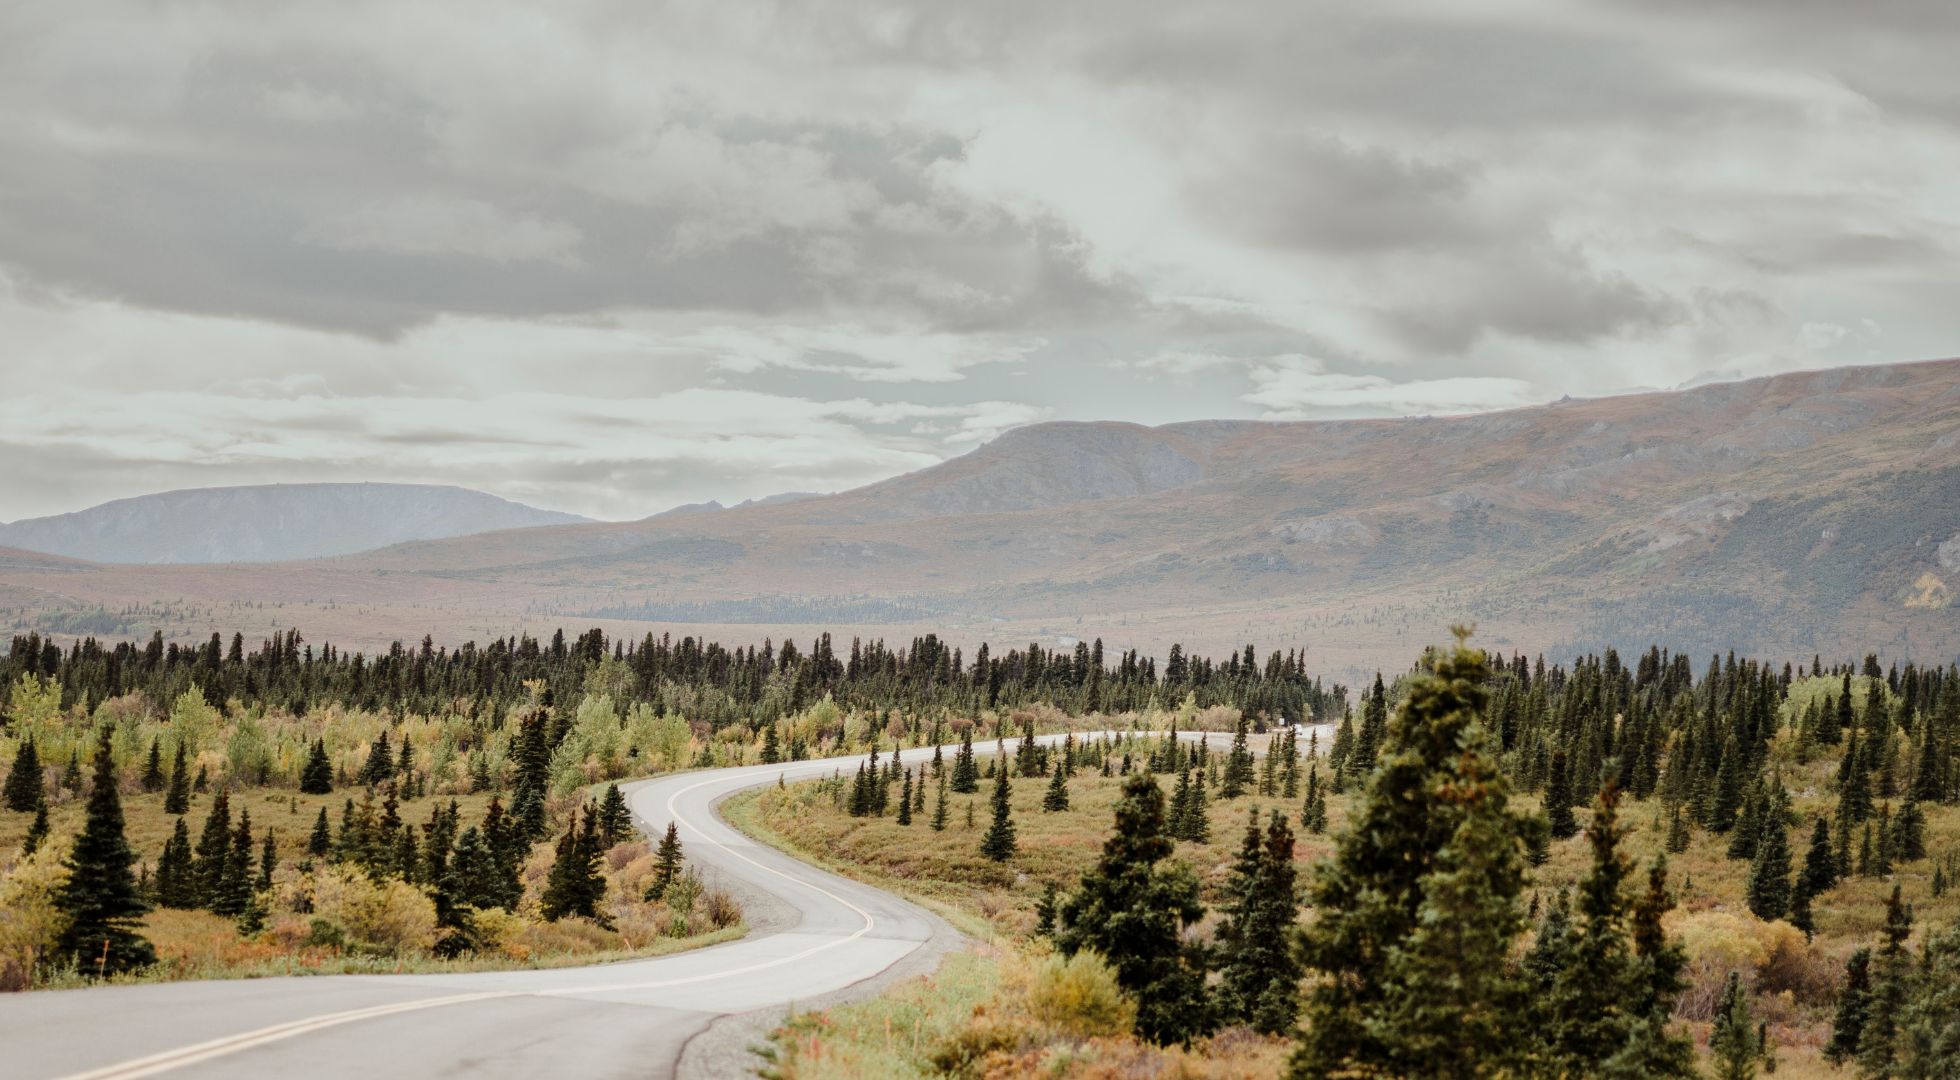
point(754, 685)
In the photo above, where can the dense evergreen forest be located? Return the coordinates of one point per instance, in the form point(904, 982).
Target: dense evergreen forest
point(709, 682)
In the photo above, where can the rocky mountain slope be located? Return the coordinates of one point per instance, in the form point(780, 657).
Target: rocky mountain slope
point(270, 523)
point(1789, 515)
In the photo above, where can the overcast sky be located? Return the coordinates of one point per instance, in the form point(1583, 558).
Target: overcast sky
point(612, 256)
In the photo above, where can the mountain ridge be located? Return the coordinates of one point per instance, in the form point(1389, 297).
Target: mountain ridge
point(1788, 513)
point(270, 522)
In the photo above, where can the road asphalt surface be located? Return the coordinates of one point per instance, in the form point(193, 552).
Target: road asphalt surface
point(815, 938)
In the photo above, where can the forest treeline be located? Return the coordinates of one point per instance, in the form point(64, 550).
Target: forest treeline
point(707, 681)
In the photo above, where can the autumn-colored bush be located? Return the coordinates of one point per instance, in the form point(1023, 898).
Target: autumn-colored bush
point(1077, 996)
point(389, 917)
point(29, 922)
point(1772, 957)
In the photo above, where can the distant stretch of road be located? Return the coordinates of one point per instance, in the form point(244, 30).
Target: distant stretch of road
point(630, 1019)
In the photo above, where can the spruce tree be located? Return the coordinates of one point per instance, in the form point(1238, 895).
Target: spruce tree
point(26, 787)
point(175, 886)
point(1056, 797)
point(320, 842)
point(268, 861)
point(998, 844)
point(1603, 1006)
point(615, 819)
point(939, 807)
point(1133, 911)
point(533, 758)
point(966, 775)
point(213, 850)
point(1734, 1043)
point(37, 831)
point(177, 800)
point(1313, 813)
point(1929, 1027)
point(234, 884)
point(1769, 873)
point(317, 776)
point(667, 863)
point(1046, 907)
point(1678, 836)
point(1853, 1005)
point(1177, 819)
point(380, 762)
point(1819, 865)
point(1892, 973)
point(1418, 907)
point(574, 887)
point(100, 897)
point(1261, 975)
point(405, 775)
point(153, 779)
point(1238, 774)
point(905, 800)
point(772, 749)
point(1558, 799)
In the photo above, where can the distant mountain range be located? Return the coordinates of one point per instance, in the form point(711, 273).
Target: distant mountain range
point(1808, 513)
point(270, 522)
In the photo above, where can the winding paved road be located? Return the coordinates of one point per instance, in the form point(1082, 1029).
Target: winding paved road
point(815, 934)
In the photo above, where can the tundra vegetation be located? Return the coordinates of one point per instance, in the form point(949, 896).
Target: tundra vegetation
point(1493, 867)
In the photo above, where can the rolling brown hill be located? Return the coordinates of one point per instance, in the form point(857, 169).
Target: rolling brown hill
point(1813, 512)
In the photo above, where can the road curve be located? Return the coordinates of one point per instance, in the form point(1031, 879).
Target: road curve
point(824, 934)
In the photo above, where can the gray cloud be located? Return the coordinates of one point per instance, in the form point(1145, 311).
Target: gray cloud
point(653, 253)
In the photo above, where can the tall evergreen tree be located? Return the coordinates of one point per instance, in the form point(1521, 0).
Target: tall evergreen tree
point(1853, 1005)
point(615, 819)
point(319, 843)
point(1261, 974)
point(175, 885)
point(1313, 812)
point(1929, 1026)
point(1056, 797)
point(1238, 773)
point(574, 887)
point(1418, 907)
point(905, 800)
point(667, 863)
point(380, 762)
point(233, 893)
point(153, 778)
point(939, 808)
point(1558, 799)
point(966, 774)
point(1892, 972)
point(268, 861)
point(1769, 890)
point(1132, 911)
point(998, 844)
point(26, 788)
point(213, 850)
point(1734, 1043)
point(533, 759)
point(317, 777)
point(1603, 1007)
point(177, 800)
point(100, 897)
